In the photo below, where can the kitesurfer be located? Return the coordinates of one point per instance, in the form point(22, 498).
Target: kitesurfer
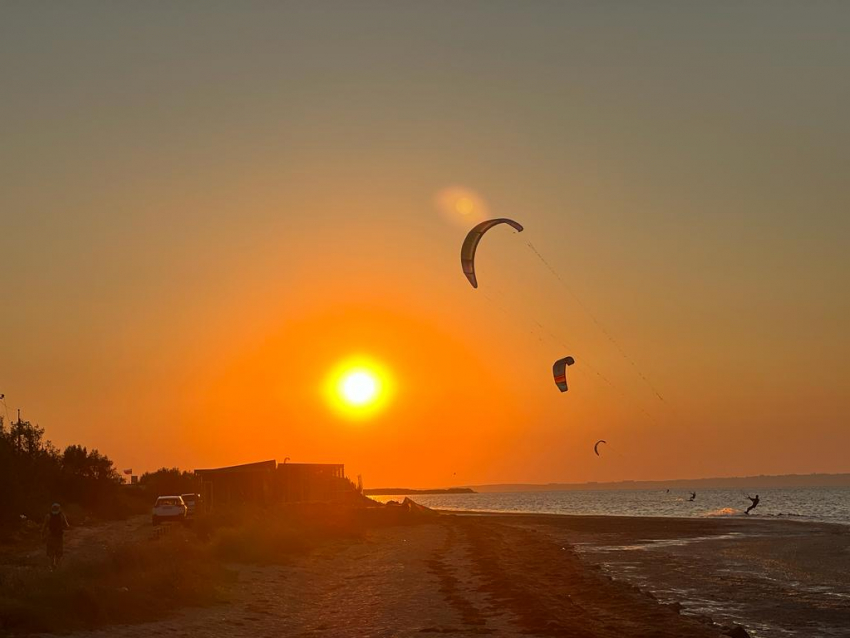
point(754, 505)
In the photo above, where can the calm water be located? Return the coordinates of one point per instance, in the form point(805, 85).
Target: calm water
point(819, 504)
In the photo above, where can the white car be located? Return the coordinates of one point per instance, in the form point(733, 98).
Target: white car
point(169, 508)
point(192, 501)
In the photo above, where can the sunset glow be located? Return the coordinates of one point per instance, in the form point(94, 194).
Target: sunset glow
point(187, 236)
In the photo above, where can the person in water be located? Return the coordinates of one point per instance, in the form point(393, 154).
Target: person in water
point(754, 505)
point(53, 530)
point(693, 496)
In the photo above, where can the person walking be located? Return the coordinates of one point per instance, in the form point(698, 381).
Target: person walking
point(53, 530)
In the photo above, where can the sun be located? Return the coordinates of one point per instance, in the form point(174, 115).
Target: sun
point(358, 387)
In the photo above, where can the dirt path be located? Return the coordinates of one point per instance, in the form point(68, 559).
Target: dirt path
point(85, 542)
point(378, 587)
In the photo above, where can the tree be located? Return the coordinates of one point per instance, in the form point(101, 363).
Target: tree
point(29, 470)
point(88, 478)
point(168, 481)
point(34, 474)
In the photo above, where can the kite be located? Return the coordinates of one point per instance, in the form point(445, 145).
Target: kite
point(559, 371)
point(470, 244)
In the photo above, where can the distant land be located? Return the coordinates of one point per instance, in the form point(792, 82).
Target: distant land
point(393, 491)
point(733, 482)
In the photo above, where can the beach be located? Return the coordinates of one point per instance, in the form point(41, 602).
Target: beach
point(541, 575)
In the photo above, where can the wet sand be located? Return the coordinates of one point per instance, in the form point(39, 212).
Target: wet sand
point(532, 575)
point(776, 577)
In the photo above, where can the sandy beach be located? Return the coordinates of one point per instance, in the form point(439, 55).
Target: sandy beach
point(536, 575)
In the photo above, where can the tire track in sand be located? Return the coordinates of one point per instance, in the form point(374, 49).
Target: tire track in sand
point(446, 564)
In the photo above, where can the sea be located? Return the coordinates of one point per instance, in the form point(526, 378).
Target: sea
point(821, 504)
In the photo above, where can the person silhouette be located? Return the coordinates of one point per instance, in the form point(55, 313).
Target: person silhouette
point(754, 505)
point(693, 496)
point(53, 530)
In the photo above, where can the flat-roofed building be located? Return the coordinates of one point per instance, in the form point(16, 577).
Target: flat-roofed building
point(268, 482)
point(248, 483)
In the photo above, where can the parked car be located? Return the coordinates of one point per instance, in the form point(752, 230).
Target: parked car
point(193, 502)
point(169, 508)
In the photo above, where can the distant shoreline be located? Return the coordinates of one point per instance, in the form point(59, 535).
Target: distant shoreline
point(734, 482)
point(731, 482)
point(400, 491)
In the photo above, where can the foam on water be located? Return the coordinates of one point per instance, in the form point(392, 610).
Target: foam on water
point(658, 543)
point(725, 511)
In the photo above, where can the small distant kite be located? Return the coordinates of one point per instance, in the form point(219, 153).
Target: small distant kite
point(470, 244)
point(596, 446)
point(559, 371)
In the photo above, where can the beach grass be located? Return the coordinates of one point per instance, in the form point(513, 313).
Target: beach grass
point(128, 583)
point(152, 572)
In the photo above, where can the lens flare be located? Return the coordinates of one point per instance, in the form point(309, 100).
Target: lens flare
point(461, 206)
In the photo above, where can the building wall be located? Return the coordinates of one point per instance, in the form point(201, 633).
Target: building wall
point(300, 482)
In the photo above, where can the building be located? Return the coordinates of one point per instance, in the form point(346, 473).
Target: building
point(268, 482)
point(249, 483)
point(299, 482)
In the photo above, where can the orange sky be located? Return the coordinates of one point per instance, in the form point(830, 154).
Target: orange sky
point(203, 214)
